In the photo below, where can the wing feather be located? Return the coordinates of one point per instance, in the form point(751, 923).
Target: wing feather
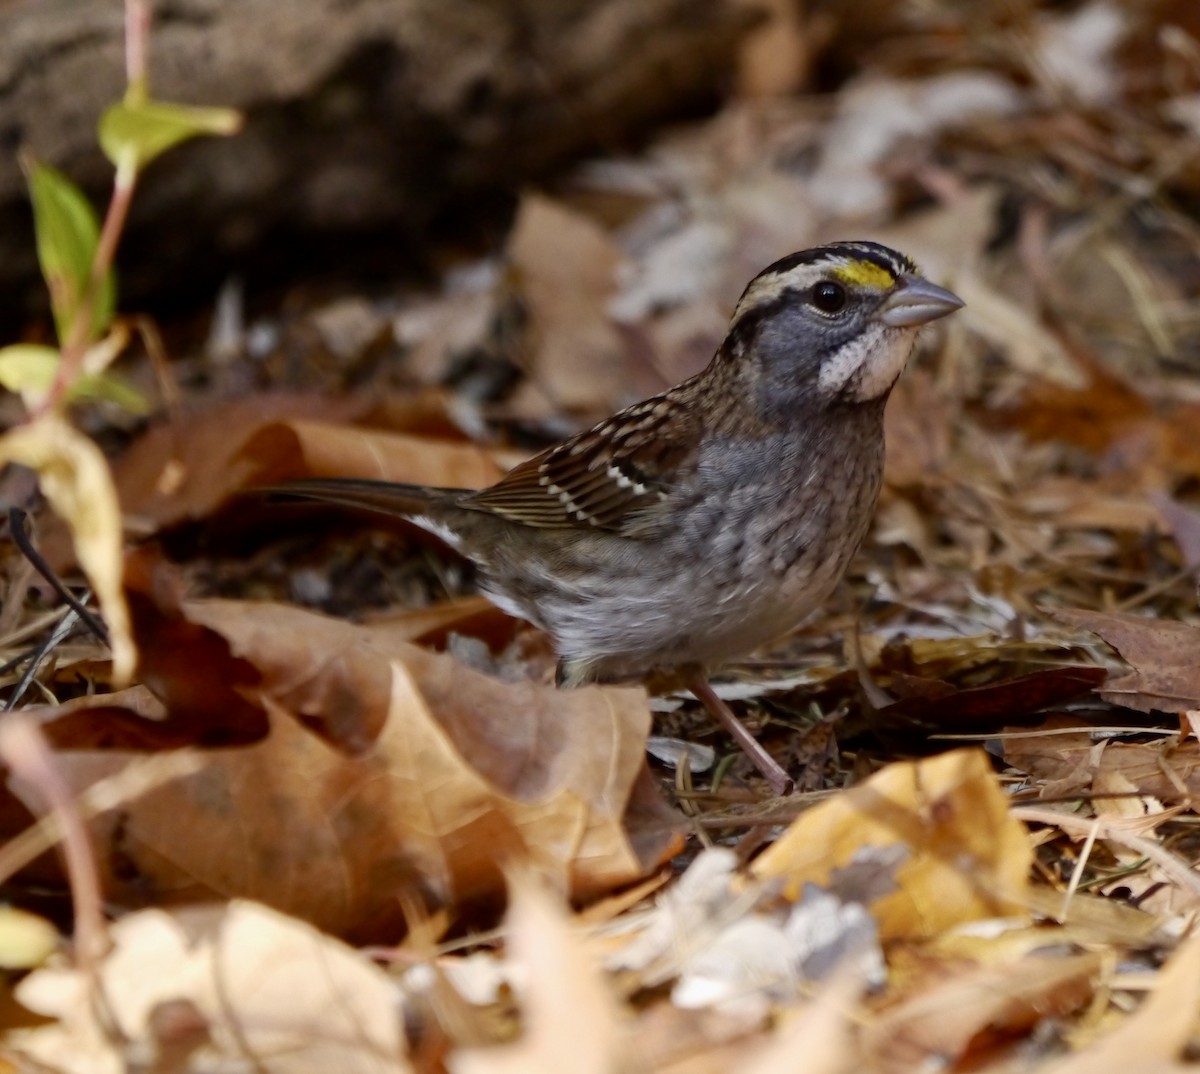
point(613, 476)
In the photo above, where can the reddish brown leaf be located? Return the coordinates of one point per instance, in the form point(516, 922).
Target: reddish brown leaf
point(980, 705)
point(1095, 416)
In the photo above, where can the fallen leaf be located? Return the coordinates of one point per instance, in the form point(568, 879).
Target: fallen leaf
point(429, 777)
point(774, 57)
point(318, 449)
point(1165, 656)
point(74, 477)
point(565, 267)
point(257, 987)
point(176, 472)
point(476, 616)
point(26, 940)
point(964, 710)
point(571, 1019)
point(1105, 409)
point(820, 1031)
point(966, 857)
point(1158, 1032)
point(1182, 522)
point(969, 1009)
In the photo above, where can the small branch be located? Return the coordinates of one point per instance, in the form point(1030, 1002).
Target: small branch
point(38, 657)
point(25, 750)
point(137, 47)
point(137, 40)
point(16, 526)
point(80, 336)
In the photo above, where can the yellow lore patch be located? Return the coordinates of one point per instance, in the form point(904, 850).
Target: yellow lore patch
point(864, 274)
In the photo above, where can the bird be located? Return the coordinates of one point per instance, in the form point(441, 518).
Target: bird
point(710, 520)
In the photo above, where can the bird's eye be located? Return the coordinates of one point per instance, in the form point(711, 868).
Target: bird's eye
point(828, 297)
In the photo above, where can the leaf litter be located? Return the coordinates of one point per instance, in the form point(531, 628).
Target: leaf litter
point(394, 845)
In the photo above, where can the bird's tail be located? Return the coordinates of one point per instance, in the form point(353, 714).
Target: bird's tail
point(386, 497)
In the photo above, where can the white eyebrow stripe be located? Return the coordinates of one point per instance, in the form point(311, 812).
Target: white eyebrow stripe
point(765, 289)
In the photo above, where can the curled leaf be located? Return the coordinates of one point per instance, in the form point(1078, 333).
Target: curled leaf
point(75, 479)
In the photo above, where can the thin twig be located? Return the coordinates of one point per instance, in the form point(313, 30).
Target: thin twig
point(1176, 868)
point(16, 525)
point(57, 636)
point(137, 40)
point(24, 749)
point(136, 779)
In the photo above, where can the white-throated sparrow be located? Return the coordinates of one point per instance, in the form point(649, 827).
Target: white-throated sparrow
point(709, 520)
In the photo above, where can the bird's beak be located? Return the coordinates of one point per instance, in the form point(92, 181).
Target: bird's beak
point(916, 301)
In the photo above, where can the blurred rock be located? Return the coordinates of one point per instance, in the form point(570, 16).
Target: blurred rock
point(369, 126)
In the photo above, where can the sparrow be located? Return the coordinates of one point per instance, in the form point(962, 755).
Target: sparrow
point(710, 520)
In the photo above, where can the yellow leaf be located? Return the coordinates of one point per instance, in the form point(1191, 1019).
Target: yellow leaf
point(26, 940)
point(75, 479)
point(962, 856)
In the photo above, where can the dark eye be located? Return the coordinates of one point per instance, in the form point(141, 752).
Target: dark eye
point(828, 297)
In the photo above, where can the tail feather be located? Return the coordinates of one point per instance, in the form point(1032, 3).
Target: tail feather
point(386, 497)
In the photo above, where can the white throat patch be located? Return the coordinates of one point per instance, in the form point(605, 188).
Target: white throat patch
point(867, 366)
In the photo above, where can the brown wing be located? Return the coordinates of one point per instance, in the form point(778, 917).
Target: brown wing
point(614, 476)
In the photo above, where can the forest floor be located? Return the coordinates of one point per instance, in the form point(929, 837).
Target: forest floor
point(342, 819)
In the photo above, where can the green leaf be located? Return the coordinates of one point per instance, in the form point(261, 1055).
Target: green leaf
point(68, 232)
point(110, 388)
point(29, 369)
point(136, 131)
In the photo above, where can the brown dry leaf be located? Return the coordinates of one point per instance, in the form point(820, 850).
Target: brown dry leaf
point(438, 777)
point(1095, 921)
point(774, 58)
point(1105, 410)
point(1182, 522)
point(474, 616)
point(1062, 763)
point(1159, 1031)
point(971, 1008)
point(1181, 452)
point(917, 426)
point(1165, 656)
point(1163, 771)
point(966, 858)
point(565, 267)
point(242, 987)
point(184, 471)
point(953, 709)
point(318, 449)
point(1108, 416)
point(1102, 505)
point(571, 1019)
